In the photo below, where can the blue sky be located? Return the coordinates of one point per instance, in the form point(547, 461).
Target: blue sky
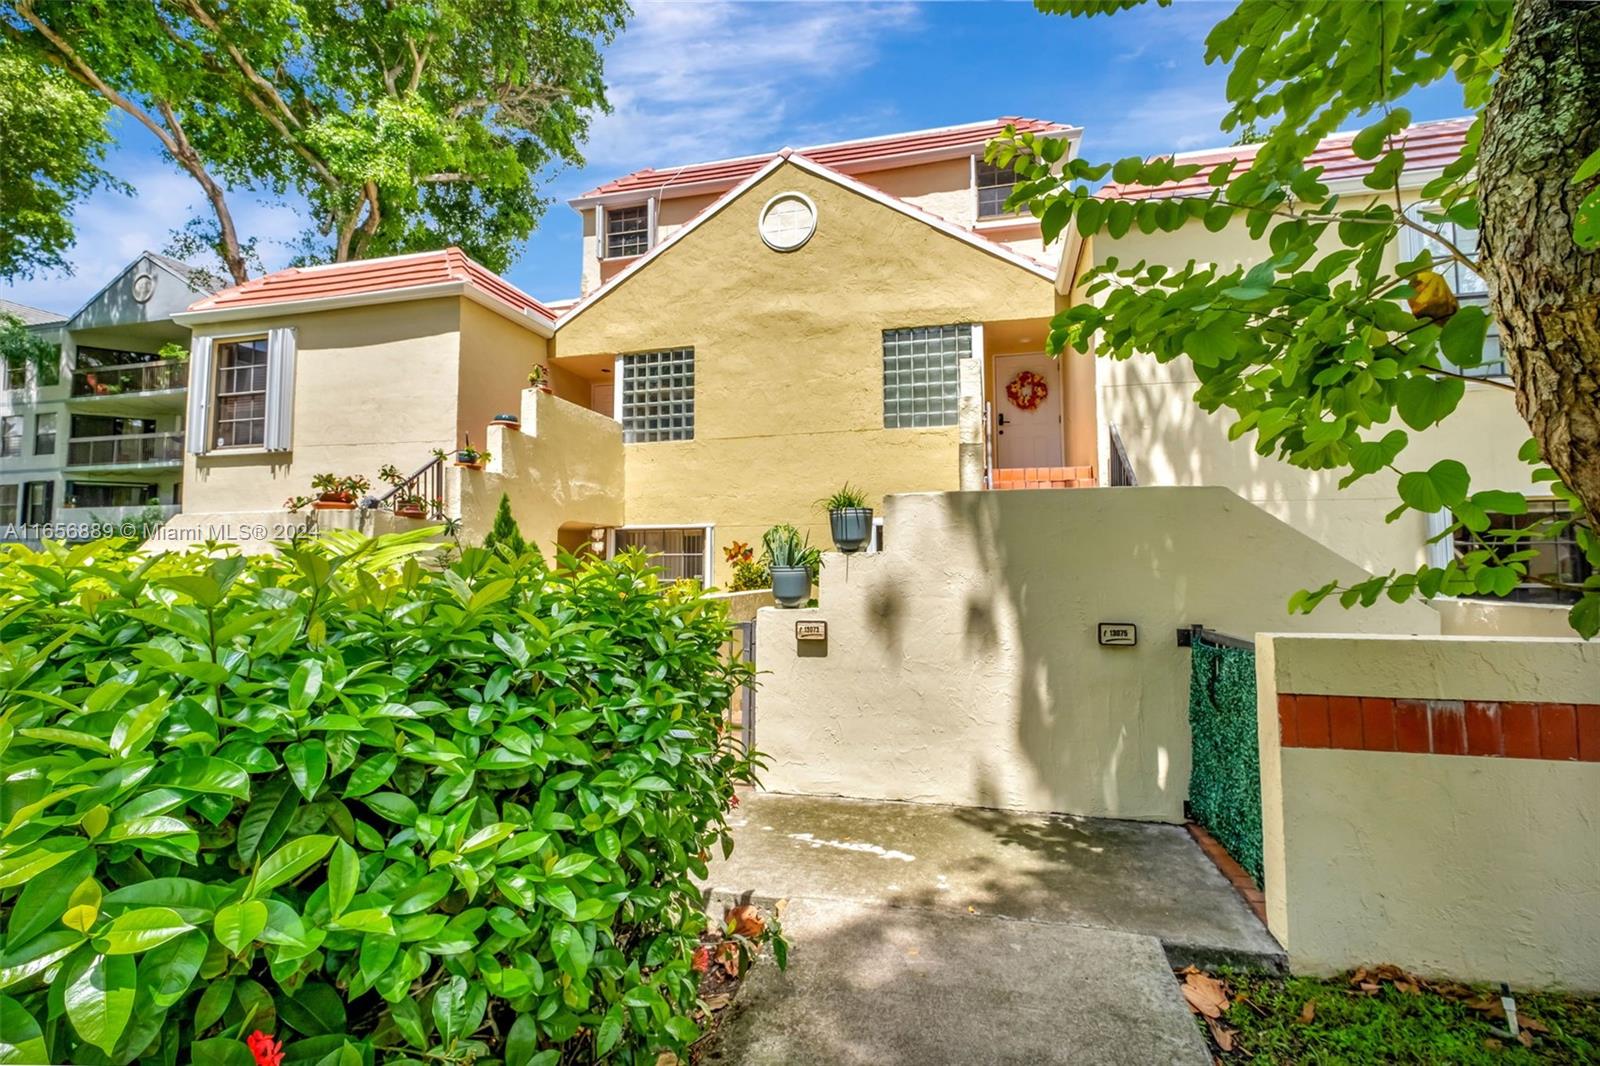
point(694, 80)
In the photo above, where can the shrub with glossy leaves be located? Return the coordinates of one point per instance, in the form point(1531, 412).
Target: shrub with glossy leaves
point(388, 813)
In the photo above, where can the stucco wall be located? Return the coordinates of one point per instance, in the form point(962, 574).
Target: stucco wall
point(496, 354)
point(1170, 441)
point(373, 385)
point(1476, 867)
point(1486, 618)
point(962, 664)
point(562, 467)
point(789, 357)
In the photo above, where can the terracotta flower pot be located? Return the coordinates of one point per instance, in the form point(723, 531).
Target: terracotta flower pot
point(411, 512)
point(334, 501)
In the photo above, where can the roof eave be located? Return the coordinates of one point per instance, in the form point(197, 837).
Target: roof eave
point(434, 290)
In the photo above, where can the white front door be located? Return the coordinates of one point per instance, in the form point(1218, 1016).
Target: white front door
point(1027, 436)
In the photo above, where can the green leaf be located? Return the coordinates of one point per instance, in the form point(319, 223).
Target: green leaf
point(1417, 490)
point(1423, 400)
point(1210, 345)
point(371, 774)
point(136, 931)
point(19, 869)
point(393, 806)
point(307, 762)
point(198, 773)
point(1498, 502)
point(1463, 337)
point(98, 992)
point(21, 1039)
point(408, 1019)
point(21, 962)
point(170, 969)
point(238, 925)
point(213, 1001)
point(344, 875)
point(314, 1010)
point(44, 898)
point(1450, 479)
point(522, 1042)
point(221, 1051)
point(266, 819)
point(288, 862)
point(305, 684)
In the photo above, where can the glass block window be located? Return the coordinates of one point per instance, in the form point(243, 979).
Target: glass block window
point(680, 553)
point(241, 396)
point(994, 186)
point(1468, 286)
point(627, 231)
point(920, 374)
point(658, 396)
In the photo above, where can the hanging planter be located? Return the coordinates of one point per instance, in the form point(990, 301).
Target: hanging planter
point(849, 519)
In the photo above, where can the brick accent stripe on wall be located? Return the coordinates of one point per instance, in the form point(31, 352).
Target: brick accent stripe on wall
point(1568, 732)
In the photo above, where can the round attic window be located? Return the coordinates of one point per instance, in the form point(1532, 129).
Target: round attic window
point(144, 287)
point(787, 221)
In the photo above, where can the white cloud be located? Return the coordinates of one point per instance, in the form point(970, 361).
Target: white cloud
point(695, 81)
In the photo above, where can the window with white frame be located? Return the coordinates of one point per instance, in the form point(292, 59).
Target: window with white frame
point(627, 231)
point(680, 553)
point(241, 393)
point(921, 374)
point(10, 497)
point(44, 433)
point(658, 396)
point(11, 436)
point(994, 187)
point(1467, 285)
point(1559, 557)
point(16, 374)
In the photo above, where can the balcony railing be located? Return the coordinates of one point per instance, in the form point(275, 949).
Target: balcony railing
point(126, 450)
point(131, 378)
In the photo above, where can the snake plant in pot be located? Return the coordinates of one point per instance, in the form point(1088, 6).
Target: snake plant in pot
point(793, 564)
point(849, 518)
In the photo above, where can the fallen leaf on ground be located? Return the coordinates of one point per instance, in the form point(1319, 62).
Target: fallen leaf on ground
point(666, 1058)
point(728, 956)
point(1308, 1012)
point(746, 922)
point(1525, 1037)
point(1492, 1044)
point(1205, 994)
point(1408, 988)
point(717, 1002)
point(1532, 1023)
point(1221, 1034)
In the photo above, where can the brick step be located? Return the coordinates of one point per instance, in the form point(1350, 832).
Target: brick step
point(1043, 477)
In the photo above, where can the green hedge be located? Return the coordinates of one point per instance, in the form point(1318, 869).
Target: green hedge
point(1225, 785)
point(387, 813)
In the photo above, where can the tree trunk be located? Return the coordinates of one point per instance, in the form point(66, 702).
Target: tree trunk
point(1542, 121)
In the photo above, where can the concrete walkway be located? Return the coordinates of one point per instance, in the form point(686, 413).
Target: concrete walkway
point(929, 935)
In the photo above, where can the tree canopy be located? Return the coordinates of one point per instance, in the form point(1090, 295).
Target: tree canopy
point(401, 124)
point(1320, 347)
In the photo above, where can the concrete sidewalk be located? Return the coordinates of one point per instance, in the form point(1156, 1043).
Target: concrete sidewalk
point(925, 934)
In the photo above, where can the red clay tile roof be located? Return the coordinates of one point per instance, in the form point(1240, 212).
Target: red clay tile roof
point(1428, 145)
point(874, 153)
point(371, 276)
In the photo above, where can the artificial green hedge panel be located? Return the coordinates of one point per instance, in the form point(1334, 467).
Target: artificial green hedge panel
point(1225, 787)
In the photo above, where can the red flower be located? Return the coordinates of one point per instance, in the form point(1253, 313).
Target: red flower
point(702, 958)
point(267, 1051)
point(733, 801)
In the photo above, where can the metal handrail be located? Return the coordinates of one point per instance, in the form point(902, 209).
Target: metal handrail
point(115, 450)
point(426, 481)
point(123, 378)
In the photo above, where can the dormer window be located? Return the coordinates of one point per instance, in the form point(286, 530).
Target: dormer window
point(627, 231)
point(994, 186)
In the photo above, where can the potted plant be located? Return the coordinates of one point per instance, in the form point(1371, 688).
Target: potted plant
point(849, 517)
point(335, 493)
point(793, 564)
point(470, 457)
point(411, 505)
point(509, 421)
point(539, 377)
point(296, 504)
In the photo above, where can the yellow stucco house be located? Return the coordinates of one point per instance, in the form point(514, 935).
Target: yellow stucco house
point(752, 333)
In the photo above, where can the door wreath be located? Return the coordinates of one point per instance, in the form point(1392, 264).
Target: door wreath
point(1027, 390)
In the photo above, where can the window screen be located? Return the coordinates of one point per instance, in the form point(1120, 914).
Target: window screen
point(11, 435)
point(44, 433)
point(680, 553)
point(658, 396)
point(627, 232)
point(920, 374)
point(994, 186)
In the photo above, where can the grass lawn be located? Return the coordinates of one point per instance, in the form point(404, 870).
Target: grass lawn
point(1386, 1016)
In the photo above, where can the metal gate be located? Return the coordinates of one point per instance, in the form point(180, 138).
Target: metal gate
point(744, 639)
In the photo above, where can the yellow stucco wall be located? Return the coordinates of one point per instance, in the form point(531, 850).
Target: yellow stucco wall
point(962, 664)
point(789, 356)
point(373, 385)
point(563, 466)
point(1170, 441)
point(1469, 867)
point(496, 354)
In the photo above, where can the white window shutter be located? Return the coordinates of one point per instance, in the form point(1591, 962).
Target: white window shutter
point(1441, 551)
point(281, 345)
point(199, 416)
